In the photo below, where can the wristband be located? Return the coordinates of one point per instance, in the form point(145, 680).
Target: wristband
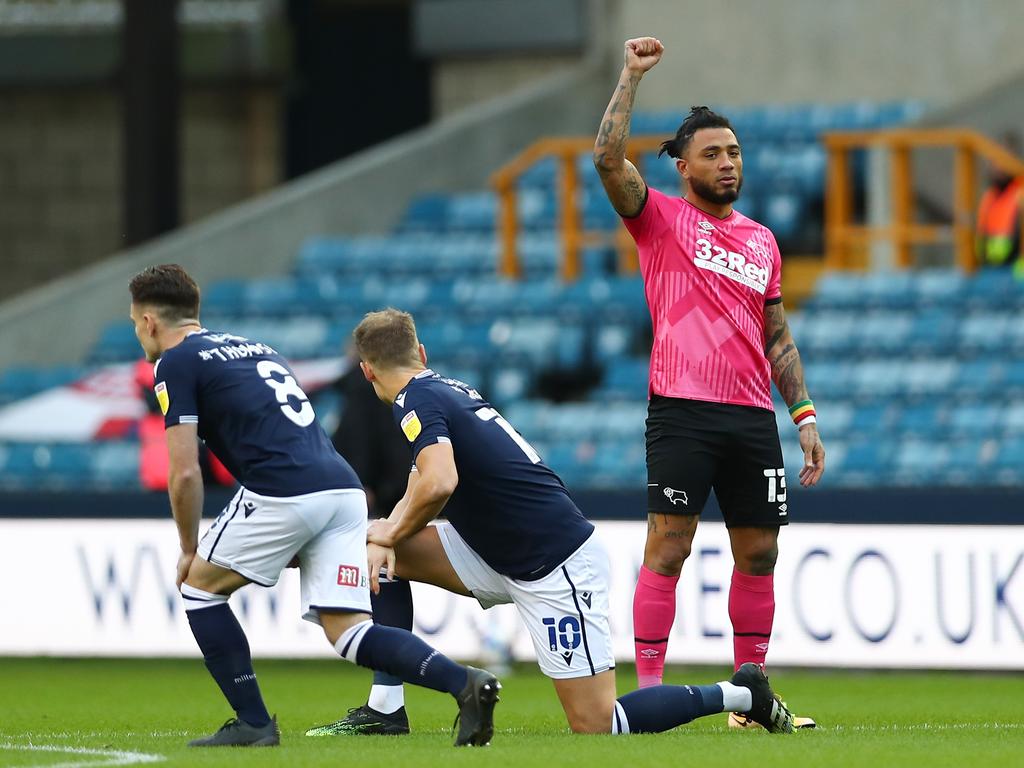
point(803, 412)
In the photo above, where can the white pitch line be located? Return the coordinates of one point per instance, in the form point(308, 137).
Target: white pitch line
point(114, 757)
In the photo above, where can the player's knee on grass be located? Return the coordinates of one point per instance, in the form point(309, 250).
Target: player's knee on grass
point(336, 623)
point(590, 719)
point(588, 701)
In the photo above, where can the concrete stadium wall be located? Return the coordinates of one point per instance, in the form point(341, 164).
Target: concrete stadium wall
point(59, 321)
point(61, 165)
point(752, 51)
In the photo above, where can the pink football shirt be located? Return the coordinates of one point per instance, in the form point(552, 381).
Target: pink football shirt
point(707, 281)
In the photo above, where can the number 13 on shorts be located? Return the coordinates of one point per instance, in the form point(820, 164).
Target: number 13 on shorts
point(776, 484)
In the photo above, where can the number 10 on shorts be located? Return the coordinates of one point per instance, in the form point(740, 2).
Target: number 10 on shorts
point(776, 484)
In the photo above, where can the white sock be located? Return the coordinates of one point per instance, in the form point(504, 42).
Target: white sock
point(735, 698)
point(348, 644)
point(386, 698)
point(620, 723)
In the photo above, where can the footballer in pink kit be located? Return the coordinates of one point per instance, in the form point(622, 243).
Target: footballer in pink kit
point(712, 279)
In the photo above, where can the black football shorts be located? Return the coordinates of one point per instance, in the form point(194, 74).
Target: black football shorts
point(694, 446)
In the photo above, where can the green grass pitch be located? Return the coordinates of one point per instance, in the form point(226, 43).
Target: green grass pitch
point(102, 708)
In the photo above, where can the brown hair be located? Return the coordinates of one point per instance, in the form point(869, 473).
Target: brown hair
point(170, 289)
point(387, 338)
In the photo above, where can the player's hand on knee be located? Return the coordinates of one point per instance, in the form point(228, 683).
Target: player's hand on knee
point(184, 564)
point(380, 532)
point(378, 558)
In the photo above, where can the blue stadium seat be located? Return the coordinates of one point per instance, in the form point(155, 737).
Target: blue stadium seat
point(917, 462)
point(933, 332)
point(117, 343)
point(866, 462)
point(1007, 467)
point(984, 331)
point(425, 213)
point(977, 419)
point(115, 465)
point(625, 379)
point(225, 297)
point(943, 288)
point(21, 382)
point(872, 419)
point(1013, 420)
point(927, 377)
point(924, 421)
point(984, 377)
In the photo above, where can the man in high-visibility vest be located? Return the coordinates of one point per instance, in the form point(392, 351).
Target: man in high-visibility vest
point(998, 242)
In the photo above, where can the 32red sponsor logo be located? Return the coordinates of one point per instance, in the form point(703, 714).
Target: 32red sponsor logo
point(348, 576)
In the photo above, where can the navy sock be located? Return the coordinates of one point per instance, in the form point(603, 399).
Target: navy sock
point(408, 658)
point(392, 607)
point(663, 707)
point(226, 653)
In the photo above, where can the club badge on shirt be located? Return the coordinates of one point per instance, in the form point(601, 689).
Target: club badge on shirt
point(411, 425)
point(162, 398)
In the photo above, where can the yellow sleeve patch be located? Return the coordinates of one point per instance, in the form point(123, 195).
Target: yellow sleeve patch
point(162, 398)
point(411, 426)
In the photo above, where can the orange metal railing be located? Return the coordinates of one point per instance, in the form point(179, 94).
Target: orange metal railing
point(846, 242)
point(573, 236)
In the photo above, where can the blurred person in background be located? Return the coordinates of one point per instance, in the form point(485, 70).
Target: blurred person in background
point(368, 439)
point(998, 240)
point(712, 279)
point(153, 459)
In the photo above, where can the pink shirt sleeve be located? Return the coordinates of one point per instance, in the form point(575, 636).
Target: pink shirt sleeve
point(649, 223)
point(774, 292)
point(651, 220)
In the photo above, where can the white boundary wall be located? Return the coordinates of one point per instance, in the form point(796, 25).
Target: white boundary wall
point(859, 596)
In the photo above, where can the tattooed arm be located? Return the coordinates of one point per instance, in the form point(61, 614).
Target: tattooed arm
point(788, 375)
point(622, 182)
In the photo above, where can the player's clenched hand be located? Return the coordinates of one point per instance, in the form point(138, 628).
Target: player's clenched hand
point(642, 53)
point(814, 456)
point(378, 557)
point(184, 563)
point(381, 532)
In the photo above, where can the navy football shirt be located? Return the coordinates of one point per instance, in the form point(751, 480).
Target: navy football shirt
point(252, 414)
point(509, 506)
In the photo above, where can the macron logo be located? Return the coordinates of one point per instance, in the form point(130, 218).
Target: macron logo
point(400, 400)
point(348, 576)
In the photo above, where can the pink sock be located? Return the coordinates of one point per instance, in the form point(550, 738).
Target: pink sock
point(654, 610)
point(751, 610)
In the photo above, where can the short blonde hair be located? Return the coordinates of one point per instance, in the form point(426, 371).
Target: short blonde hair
point(387, 339)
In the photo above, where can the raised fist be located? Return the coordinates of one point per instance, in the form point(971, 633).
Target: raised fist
point(642, 53)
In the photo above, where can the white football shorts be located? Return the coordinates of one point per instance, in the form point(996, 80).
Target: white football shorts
point(566, 612)
point(257, 536)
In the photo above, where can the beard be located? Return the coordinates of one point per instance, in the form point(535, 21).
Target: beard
point(709, 193)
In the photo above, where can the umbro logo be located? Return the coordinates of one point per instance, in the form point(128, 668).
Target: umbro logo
point(676, 496)
point(783, 508)
point(649, 653)
point(400, 400)
point(706, 226)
